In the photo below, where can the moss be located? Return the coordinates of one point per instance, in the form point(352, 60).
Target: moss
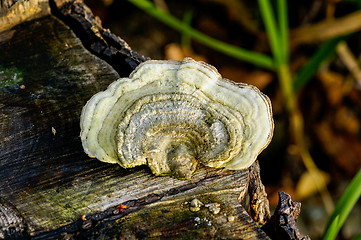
point(9, 76)
point(172, 218)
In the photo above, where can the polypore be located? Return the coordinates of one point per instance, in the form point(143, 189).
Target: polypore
point(174, 115)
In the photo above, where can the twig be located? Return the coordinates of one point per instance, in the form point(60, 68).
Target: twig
point(349, 60)
point(327, 29)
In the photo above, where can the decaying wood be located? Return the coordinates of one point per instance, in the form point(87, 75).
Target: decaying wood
point(58, 190)
point(13, 12)
point(12, 224)
point(259, 205)
point(282, 224)
point(95, 38)
point(50, 189)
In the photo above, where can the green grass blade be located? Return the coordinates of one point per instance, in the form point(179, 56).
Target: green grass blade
point(187, 19)
point(239, 53)
point(348, 199)
point(283, 28)
point(271, 29)
point(325, 51)
point(332, 229)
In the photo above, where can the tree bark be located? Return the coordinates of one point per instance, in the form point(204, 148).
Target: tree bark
point(50, 189)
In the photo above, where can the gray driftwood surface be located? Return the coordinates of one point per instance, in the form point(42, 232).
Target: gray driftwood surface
point(50, 189)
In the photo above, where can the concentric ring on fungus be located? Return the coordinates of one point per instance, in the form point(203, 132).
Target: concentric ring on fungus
point(173, 115)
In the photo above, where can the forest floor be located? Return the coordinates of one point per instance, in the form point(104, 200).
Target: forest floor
point(330, 102)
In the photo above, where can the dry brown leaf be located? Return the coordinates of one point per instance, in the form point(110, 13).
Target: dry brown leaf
point(344, 148)
point(259, 79)
point(326, 137)
point(347, 121)
point(348, 156)
point(176, 52)
point(334, 86)
point(310, 183)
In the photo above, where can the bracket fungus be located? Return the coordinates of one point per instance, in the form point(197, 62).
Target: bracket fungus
point(174, 115)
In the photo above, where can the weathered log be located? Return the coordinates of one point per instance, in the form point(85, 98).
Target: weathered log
point(49, 188)
point(95, 38)
point(282, 225)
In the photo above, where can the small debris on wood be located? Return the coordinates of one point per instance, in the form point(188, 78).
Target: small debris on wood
point(282, 224)
point(53, 130)
point(231, 218)
point(199, 221)
point(213, 207)
point(87, 224)
point(121, 207)
point(195, 205)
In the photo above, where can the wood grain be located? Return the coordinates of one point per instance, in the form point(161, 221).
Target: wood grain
point(58, 190)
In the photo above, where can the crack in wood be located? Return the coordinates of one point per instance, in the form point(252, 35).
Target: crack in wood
point(89, 224)
point(95, 38)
